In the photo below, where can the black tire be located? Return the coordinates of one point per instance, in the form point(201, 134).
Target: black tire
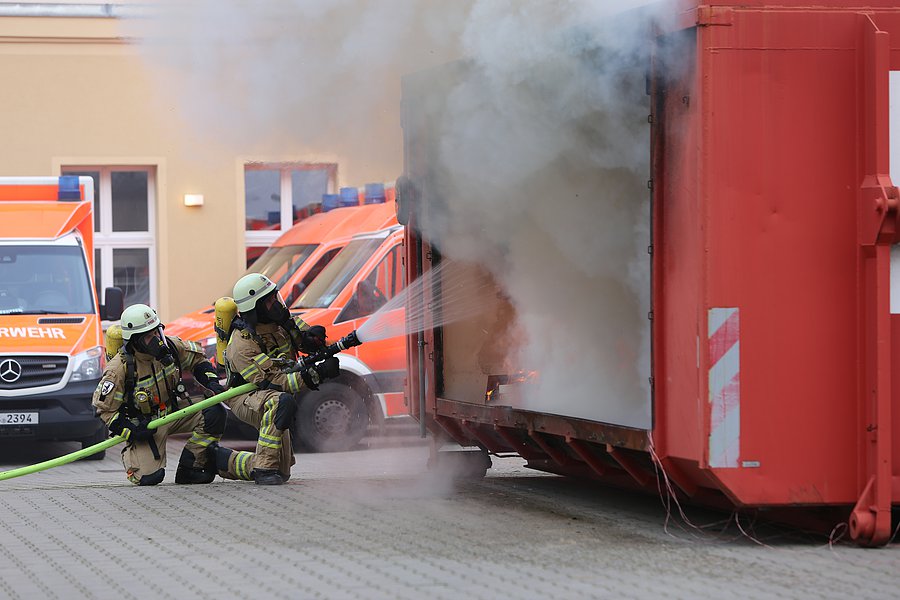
point(332, 419)
point(462, 465)
point(95, 439)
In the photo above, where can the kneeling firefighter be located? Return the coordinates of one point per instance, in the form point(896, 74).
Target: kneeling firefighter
point(262, 342)
point(143, 380)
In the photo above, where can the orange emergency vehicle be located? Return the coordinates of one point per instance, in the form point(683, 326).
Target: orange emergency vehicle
point(51, 345)
point(362, 277)
point(294, 260)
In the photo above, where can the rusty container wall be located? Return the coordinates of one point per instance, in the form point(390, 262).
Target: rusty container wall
point(773, 219)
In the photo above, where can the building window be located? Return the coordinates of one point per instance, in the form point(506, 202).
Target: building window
point(277, 196)
point(124, 232)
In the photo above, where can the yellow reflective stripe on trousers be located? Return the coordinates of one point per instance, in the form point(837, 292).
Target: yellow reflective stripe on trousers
point(201, 440)
point(269, 442)
point(240, 465)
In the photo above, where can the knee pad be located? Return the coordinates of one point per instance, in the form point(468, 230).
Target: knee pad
point(214, 420)
point(153, 478)
point(285, 411)
point(186, 459)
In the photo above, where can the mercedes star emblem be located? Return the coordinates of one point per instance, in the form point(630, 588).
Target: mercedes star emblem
point(10, 370)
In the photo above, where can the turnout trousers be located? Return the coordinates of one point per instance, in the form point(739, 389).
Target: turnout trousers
point(273, 447)
point(139, 460)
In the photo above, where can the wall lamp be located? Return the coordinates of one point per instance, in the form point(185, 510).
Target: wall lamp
point(193, 199)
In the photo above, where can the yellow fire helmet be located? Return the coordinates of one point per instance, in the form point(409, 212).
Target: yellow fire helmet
point(250, 288)
point(137, 319)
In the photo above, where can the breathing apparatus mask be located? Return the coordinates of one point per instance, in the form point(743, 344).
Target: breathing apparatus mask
point(153, 343)
point(271, 309)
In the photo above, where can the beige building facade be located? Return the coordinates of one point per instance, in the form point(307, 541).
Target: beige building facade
point(77, 96)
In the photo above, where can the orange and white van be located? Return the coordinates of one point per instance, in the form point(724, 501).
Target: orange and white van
point(293, 261)
point(51, 345)
point(358, 281)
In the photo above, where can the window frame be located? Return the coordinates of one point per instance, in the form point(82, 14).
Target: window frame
point(266, 238)
point(105, 239)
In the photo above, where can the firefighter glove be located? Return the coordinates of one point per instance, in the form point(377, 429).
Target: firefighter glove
point(313, 339)
point(329, 368)
point(130, 431)
point(316, 374)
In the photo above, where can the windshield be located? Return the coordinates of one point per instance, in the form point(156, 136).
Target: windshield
point(333, 278)
point(280, 263)
point(44, 280)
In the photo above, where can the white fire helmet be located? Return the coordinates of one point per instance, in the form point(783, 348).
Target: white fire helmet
point(251, 288)
point(137, 319)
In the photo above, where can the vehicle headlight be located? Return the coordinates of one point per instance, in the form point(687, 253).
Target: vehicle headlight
point(88, 364)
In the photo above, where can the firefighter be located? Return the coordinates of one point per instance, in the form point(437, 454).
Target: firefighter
point(263, 343)
point(144, 380)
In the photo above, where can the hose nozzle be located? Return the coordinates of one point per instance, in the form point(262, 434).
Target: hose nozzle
point(348, 341)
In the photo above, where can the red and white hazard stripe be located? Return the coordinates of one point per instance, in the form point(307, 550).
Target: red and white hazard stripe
point(724, 387)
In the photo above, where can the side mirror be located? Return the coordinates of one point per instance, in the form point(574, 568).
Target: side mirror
point(112, 309)
point(296, 290)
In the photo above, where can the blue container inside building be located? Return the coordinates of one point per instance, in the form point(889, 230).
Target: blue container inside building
point(349, 196)
point(330, 201)
point(375, 193)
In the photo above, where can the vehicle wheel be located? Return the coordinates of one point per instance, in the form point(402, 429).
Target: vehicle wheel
point(460, 465)
point(331, 419)
point(95, 439)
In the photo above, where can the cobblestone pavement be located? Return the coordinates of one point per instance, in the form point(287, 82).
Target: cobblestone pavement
point(375, 524)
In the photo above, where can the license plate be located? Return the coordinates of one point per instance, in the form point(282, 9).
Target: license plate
point(18, 418)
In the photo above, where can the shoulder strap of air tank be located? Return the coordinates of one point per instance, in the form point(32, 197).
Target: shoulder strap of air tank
point(130, 374)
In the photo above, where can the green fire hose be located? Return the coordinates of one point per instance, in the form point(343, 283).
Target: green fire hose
point(66, 459)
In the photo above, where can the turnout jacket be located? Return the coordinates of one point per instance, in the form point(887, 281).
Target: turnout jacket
point(150, 376)
point(255, 358)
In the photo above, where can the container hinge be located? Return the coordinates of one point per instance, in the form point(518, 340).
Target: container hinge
point(428, 255)
point(650, 119)
point(686, 100)
point(650, 315)
point(649, 184)
point(650, 249)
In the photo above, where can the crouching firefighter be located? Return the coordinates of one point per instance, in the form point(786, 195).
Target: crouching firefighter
point(142, 381)
point(262, 342)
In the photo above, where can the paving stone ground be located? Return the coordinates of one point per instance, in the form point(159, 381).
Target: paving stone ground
point(376, 524)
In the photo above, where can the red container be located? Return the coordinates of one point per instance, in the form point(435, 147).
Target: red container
point(775, 379)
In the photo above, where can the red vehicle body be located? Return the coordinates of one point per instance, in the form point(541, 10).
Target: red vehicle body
point(363, 277)
point(773, 217)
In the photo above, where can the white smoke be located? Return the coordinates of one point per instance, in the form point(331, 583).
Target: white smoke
point(545, 148)
point(544, 151)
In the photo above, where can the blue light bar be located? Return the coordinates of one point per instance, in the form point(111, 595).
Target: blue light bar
point(330, 201)
point(375, 193)
point(349, 196)
point(68, 188)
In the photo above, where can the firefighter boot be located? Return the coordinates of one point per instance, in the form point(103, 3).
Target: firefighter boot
point(267, 477)
point(187, 472)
